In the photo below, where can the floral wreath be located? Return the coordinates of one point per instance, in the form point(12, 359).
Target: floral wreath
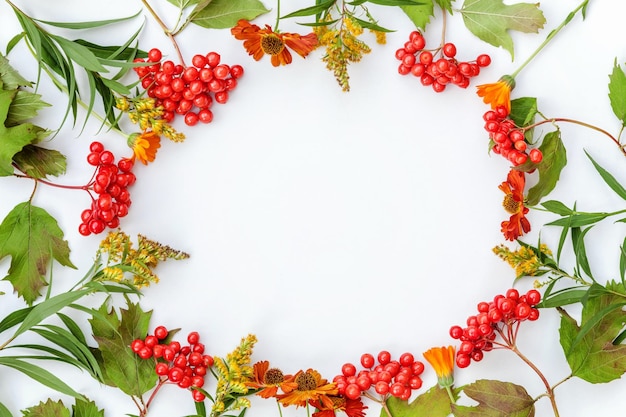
point(126, 85)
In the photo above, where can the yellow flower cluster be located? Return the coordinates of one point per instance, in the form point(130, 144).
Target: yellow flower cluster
point(145, 113)
point(123, 258)
point(232, 374)
point(524, 260)
point(343, 45)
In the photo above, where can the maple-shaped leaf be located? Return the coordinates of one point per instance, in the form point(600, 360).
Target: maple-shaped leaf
point(38, 162)
point(24, 106)
point(86, 409)
point(496, 399)
point(10, 77)
point(48, 409)
point(419, 14)
point(490, 20)
point(433, 403)
point(14, 138)
point(121, 367)
point(589, 348)
point(32, 238)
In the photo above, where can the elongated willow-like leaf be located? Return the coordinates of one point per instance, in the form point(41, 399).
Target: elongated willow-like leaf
point(4, 412)
point(40, 375)
point(608, 178)
point(310, 11)
point(87, 25)
point(14, 318)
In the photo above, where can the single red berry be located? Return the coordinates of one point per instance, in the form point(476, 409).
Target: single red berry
point(384, 357)
point(161, 368)
point(191, 118)
point(352, 391)
point(407, 359)
point(136, 345)
point(381, 388)
point(348, 369)
point(151, 341)
point(449, 50)
point(483, 60)
point(367, 360)
point(154, 55)
point(535, 156)
point(533, 297)
point(197, 396)
point(213, 59)
point(193, 338)
point(236, 71)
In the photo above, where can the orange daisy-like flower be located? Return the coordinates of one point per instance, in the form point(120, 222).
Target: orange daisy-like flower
point(442, 361)
point(269, 380)
point(259, 42)
point(498, 93)
point(513, 203)
point(310, 387)
point(352, 408)
point(145, 145)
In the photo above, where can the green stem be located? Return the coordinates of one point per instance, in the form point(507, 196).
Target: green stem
point(450, 394)
point(277, 15)
point(549, 37)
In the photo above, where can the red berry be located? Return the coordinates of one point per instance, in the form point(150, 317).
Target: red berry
point(367, 360)
point(193, 338)
point(352, 391)
point(154, 55)
point(213, 59)
point(191, 118)
point(449, 50)
point(384, 357)
point(483, 60)
point(535, 156)
point(407, 359)
point(197, 396)
point(199, 61)
point(136, 345)
point(381, 388)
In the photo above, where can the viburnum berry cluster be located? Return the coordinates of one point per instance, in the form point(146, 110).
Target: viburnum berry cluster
point(502, 317)
point(438, 67)
point(185, 366)
point(110, 182)
point(508, 140)
point(188, 91)
point(387, 377)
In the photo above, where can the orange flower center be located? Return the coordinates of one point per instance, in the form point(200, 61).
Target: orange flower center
point(274, 376)
point(306, 382)
point(510, 204)
point(272, 44)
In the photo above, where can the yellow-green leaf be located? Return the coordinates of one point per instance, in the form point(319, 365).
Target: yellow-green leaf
point(420, 15)
point(223, 14)
point(617, 92)
point(496, 399)
point(14, 138)
point(550, 167)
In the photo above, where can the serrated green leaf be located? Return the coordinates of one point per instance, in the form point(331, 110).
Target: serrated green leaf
point(32, 238)
point(550, 167)
point(446, 5)
point(10, 78)
point(617, 92)
point(38, 162)
point(589, 349)
point(14, 138)
point(39, 374)
point(496, 399)
point(490, 20)
point(608, 178)
point(184, 3)
point(420, 15)
point(25, 105)
point(433, 403)
point(523, 111)
point(223, 14)
point(312, 10)
point(86, 409)
point(47, 409)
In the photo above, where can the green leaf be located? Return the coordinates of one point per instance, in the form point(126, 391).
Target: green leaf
point(617, 92)
point(32, 238)
point(557, 207)
point(184, 3)
point(523, 111)
point(433, 403)
point(10, 77)
point(80, 54)
point(4, 412)
point(12, 139)
point(120, 366)
point(47, 409)
point(25, 105)
point(496, 399)
point(579, 219)
point(608, 178)
point(420, 15)
point(446, 5)
point(39, 374)
point(38, 162)
point(550, 167)
point(589, 349)
point(86, 409)
point(578, 243)
point(311, 11)
point(490, 20)
point(223, 14)
point(14, 318)
point(89, 24)
point(563, 297)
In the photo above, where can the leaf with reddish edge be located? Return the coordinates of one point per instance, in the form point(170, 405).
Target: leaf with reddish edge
point(496, 399)
point(589, 348)
point(433, 403)
point(32, 238)
point(48, 409)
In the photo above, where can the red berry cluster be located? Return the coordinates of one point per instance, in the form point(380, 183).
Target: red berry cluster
point(508, 140)
point(110, 183)
point(395, 377)
point(498, 317)
point(437, 68)
point(188, 91)
point(185, 366)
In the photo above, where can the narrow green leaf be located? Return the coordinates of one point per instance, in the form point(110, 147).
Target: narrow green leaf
point(56, 354)
point(622, 262)
point(4, 412)
point(563, 297)
point(550, 167)
point(593, 321)
point(80, 54)
point(14, 318)
point(608, 178)
point(579, 219)
point(311, 11)
point(617, 92)
point(73, 327)
point(13, 42)
point(557, 207)
point(40, 375)
point(578, 243)
point(89, 24)
point(369, 25)
point(115, 86)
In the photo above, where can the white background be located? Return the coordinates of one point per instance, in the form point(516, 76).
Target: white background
point(331, 224)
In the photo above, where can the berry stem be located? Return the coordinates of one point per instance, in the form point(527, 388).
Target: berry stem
point(41, 180)
point(382, 401)
point(551, 35)
point(443, 27)
point(549, 389)
point(166, 30)
point(580, 123)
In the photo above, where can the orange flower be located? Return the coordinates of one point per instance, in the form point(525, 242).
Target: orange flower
point(352, 408)
point(442, 361)
point(310, 387)
point(259, 41)
point(498, 93)
point(145, 145)
point(268, 380)
point(513, 189)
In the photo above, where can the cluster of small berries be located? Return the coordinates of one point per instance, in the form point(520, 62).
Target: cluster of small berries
point(185, 366)
point(436, 71)
point(493, 318)
point(508, 140)
point(110, 183)
point(188, 91)
point(395, 377)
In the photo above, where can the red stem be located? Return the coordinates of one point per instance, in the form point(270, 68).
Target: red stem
point(168, 33)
